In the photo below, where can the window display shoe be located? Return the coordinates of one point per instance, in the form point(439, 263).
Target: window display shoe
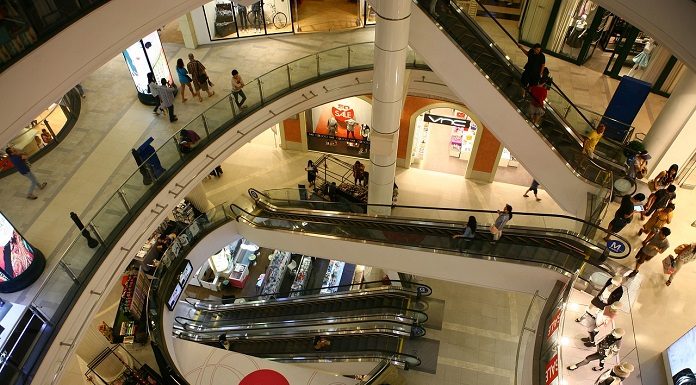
point(572, 367)
point(42, 185)
point(597, 368)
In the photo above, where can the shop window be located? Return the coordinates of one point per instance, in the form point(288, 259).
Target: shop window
point(572, 27)
point(276, 14)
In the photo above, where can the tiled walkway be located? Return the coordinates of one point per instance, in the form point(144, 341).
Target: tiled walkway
point(95, 158)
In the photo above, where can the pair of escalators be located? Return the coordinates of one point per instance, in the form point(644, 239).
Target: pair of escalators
point(367, 324)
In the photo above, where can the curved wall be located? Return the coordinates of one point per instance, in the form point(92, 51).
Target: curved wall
point(107, 275)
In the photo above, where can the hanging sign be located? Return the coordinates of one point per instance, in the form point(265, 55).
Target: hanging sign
point(447, 120)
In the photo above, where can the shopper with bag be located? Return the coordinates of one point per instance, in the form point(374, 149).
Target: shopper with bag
point(657, 245)
point(671, 265)
point(201, 81)
point(185, 81)
point(503, 217)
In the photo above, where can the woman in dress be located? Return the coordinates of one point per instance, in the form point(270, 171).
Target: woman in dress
point(658, 220)
point(664, 178)
point(311, 173)
point(185, 81)
point(504, 216)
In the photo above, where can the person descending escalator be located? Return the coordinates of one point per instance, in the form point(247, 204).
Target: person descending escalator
point(321, 343)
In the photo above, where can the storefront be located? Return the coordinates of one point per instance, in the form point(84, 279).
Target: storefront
point(582, 32)
point(224, 19)
point(340, 127)
point(43, 133)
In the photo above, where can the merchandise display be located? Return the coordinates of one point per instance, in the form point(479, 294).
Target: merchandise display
point(20, 263)
point(129, 325)
point(301, 277)
point(332, 277)
point(275, 273)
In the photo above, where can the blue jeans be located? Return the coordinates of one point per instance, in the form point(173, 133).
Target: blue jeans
point(34, 182)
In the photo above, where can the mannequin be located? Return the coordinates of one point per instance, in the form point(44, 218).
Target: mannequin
point(642, 59)
point(578, 31)
point(610, 293)
point(615, 375)
point(606, 348)
point(594, 324)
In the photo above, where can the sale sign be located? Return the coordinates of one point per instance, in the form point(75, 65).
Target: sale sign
point(343, 113)
point(553, 325)
point(551, 371)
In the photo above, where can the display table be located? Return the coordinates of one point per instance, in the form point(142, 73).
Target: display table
point(301, 278)
point(332, 277)
point(275, 273)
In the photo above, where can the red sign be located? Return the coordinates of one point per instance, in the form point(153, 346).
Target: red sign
point(552, 370)
point(264, 377)
point(343, 113)
point(553, 325)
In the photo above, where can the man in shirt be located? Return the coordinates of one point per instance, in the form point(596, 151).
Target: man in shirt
point(534, 69)
point(588, 146)
point(624, 214)
point(656, 245)
point(166, 94)
point(19, 160)
point(660, 199)
point(539, 93)
point(237, 92)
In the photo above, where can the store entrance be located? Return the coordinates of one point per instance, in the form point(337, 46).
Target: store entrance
point(447, 146)
point(327, 15)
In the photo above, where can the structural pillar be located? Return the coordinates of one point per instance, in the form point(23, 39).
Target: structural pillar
point(391, 45)
point(670, 139)
point(485, 156)
point(188, 31)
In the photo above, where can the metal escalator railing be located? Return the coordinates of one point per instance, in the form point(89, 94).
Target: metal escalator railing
point(563, 131)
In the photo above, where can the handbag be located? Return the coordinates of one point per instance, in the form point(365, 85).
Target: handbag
point(669, 265)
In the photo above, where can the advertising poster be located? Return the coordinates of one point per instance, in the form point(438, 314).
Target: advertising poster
point(341, 127)
point(17, 259)
point(681, 356)
point(137, 56)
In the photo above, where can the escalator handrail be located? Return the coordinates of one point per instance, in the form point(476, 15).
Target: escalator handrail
point(394, 329)
point(256, 193)
point(375, 291)
point(190, 324)
point(497, 51)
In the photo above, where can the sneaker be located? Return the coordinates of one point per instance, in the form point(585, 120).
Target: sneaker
point(633, 274)
point(589, 344)
point(572, 367)
point(597, 368)
point(538, 199)
point(578, 320)
point(155, 112)
point(526, 196)
point(42, 185)
point(244, 106)
point(32, 197)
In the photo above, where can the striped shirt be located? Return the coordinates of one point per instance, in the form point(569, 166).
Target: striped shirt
point(166, 95)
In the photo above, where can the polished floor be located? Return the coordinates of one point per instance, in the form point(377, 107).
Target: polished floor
point(94, 159)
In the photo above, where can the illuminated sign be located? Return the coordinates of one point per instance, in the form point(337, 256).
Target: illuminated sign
point(16, 259)
point(551, 371)
point(343, 113)
point(447, 120)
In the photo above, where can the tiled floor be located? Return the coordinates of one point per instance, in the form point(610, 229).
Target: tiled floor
point(94, 158)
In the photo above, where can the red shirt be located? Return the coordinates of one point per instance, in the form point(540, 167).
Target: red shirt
point(539, 93)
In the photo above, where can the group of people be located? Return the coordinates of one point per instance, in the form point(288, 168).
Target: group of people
point(659, 207)
point(468, 234)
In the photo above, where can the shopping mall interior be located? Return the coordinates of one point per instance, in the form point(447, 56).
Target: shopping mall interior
point(209, 250)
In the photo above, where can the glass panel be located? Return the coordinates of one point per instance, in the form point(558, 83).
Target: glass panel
point(218, 115)
point(56, 294)
point(362, 55)
point(274, 82)
point(277, 14)
point(303, 69)
point(333, 60)
point(135, 188)
point(79, 256)
point(252, 92)
point(109, 216)
point(169, 154)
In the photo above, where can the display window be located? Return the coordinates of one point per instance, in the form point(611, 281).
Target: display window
point(228, 20)
point(341, 127)
point(41, 133)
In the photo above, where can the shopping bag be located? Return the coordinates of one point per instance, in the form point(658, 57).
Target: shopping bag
point(669, 265)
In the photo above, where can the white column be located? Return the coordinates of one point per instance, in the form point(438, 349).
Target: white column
point(391, 44)
point(670, 139)
point(188, 31)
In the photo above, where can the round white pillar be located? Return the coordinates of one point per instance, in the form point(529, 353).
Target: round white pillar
point(391, 48)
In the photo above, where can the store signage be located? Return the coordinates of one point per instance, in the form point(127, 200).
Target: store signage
point(343, 113)
point(553, 325)
point(552, 370)
point(616, 248)
point(447, 120)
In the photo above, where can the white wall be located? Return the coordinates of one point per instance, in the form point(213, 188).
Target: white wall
point(670, 22)
point(498, 114)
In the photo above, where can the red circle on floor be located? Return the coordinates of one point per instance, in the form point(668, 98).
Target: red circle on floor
point(264, 377)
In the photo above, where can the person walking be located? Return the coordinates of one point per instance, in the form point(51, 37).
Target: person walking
point(660, 199)
point(624, 214)
point(185, 81)
point(153, 88)
point(608, 347)
point(664, 178)
point(591, 141)
point(504, 216)
point(358, 171)
point(534, 68)
point(311, 173)
point(685, 253)
point(656, 245)
point(21, 164)
point(166, 94)
point(199, 76)
point(468, 234)
point(237, 92)
point(533, 188)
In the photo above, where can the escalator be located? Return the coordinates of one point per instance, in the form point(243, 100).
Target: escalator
point(557, 240)
point(552, 150)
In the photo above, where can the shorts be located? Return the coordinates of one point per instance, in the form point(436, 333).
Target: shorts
point(536, 111)
point(641, 257)
point(200, 86)
point(617, 224)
